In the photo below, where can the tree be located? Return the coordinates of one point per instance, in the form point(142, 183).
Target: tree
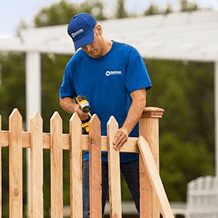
point(152, 10)
point(120, 10)
point(58, 13)
point(12, 95)
point(188, 6)
point(187, 126)
point(95, 8)
point(62, 12)
point(168, 9)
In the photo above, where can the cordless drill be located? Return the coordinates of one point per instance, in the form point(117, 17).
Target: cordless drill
point(85, 107)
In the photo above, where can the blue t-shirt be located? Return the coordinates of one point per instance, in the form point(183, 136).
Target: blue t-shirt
point(107, 83)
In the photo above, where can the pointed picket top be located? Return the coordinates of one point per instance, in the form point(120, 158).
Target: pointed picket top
point(94, 123)
point(15, 121)
point(75, 118)
point(36, 118)
point(94, 119)
point(112, 123)
point(56, 117)
point(15, 115)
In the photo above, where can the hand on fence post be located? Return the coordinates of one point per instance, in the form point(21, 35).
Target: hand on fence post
point(120, 138)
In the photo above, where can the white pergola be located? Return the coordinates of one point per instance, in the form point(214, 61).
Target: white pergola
point(177, 36)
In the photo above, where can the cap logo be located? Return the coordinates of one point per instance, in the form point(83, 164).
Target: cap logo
point(76, 33)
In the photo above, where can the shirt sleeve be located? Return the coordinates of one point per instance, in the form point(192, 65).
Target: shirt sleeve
point(67, 87)
point(136, 73)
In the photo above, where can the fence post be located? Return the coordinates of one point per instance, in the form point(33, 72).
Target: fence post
point(149, 129)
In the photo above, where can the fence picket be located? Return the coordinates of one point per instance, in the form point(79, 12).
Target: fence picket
point(56, 166)
point(36, 170)
point(0, 168)
point(95, 168)
point(114, 171)
point(76, 200)
point(15, 165)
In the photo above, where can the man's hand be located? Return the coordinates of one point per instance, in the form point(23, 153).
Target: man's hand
point(69, 106)
point(83, 116)
point(120, 138)
point(133, 116)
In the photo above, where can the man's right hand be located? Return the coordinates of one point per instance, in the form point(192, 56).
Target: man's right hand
point(83, 116)
point(69, 106)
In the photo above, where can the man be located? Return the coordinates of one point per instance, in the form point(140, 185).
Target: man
point(114, 79)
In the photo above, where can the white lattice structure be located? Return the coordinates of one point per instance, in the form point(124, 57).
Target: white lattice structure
point(202, 198)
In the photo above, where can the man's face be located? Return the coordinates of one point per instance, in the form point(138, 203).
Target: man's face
point(95, 49)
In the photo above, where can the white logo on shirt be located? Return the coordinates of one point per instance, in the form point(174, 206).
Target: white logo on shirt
point(110, 73)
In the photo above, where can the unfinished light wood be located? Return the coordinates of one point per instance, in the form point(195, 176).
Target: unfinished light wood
point(114, 171)
point(56, 141)
point(149, 129)
point(95, 177)
point(129, 146)
point(56, 167)
point(76, 208)
point(36, 169)
point(15, 165)
point(154, 177)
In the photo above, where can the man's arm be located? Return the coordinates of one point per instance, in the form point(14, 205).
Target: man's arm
point(70, 107)
point(133, 116)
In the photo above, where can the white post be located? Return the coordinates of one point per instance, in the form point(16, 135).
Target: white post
point(33, 101)
point(216, 115)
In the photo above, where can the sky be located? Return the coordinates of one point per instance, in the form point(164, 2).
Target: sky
point(12, 11)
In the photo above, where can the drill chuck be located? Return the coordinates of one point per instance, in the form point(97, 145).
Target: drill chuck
point(83, 103)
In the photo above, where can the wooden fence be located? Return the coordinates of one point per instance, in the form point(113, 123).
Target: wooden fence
point(153, 199)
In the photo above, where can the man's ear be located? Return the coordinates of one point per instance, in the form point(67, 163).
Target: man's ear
point(98, 29)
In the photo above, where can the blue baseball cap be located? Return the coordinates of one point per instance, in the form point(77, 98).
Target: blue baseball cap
point(81, 29)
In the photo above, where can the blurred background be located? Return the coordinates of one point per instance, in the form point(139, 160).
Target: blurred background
point(184, 89)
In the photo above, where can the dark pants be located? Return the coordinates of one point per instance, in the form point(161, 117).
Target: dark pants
point(130, 172)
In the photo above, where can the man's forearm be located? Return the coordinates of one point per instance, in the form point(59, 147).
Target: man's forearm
point(134, 114)
point(68, 105)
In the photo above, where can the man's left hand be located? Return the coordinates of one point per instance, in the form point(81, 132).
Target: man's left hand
point(120, 138)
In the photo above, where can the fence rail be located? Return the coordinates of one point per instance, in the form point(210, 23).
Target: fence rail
point(152, 193)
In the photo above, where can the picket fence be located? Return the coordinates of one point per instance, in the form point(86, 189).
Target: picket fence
point(153, 199)
point(202, 198)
